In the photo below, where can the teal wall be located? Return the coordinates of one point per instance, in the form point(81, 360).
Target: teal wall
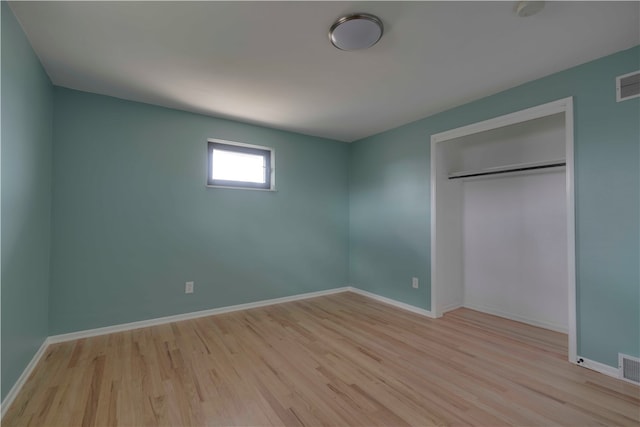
point(133, 220)
point(27, 102)
point(390, 205)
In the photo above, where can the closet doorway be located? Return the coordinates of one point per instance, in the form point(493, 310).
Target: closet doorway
point(502, 218)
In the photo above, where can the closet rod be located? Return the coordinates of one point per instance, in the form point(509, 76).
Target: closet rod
point(517, 169)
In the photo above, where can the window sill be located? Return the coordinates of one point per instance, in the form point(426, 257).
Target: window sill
point(269, 190)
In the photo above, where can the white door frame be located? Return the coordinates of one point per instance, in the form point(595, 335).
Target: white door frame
point(560, 106)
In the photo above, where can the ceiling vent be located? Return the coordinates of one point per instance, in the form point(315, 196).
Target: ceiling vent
point(629, 368)
point(628, 86)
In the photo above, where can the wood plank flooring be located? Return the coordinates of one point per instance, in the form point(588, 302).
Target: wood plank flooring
point(341, 360)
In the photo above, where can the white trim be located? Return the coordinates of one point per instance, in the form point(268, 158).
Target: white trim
point(532, 113)
point(186, 316)
point(618, 88)
point(597, 366)
point(6, 403)
point(434, 233)
point(272, 158)
point(565, 106)
point(571, 232)
point(541, 324)
point(10, 397)
point(8, 400)
point(398, 304)
point(450, 307)
point(273, 190)
point(240, 144)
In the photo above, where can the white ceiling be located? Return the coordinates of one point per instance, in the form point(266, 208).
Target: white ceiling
point(271, 63)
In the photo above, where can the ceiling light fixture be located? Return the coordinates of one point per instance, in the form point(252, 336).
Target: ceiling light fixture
point(357, 31)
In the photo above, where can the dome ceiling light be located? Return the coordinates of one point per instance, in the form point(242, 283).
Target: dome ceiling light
point(357, 31)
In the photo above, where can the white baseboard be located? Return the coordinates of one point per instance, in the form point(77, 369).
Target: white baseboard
point(587, 363)
point(8, 400)
point(10, 397)
point(517, 318)
point(186, 316)
point(598, 367)
point(393, 302)
point(204, 313)
point(451, 307)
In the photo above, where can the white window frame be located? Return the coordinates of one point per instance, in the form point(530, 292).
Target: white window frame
point(271, 178)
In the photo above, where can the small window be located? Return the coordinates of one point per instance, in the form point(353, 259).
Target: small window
point(235, 165)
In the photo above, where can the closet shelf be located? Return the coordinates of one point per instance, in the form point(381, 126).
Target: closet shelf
point(519, 167)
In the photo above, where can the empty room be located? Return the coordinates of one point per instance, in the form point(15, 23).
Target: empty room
point(320, 213)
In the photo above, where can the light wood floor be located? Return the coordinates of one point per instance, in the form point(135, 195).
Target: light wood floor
point(337, 360)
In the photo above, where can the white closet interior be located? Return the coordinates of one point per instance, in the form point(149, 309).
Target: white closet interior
point(502, 235)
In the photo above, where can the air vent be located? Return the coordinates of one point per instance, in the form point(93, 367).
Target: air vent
point(629, 368)
point(628, 86)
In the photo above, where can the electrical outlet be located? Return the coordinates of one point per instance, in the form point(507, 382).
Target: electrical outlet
point(188, 288)
point(414, 282)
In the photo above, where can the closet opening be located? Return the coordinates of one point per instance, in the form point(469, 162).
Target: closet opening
point(503, 221)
